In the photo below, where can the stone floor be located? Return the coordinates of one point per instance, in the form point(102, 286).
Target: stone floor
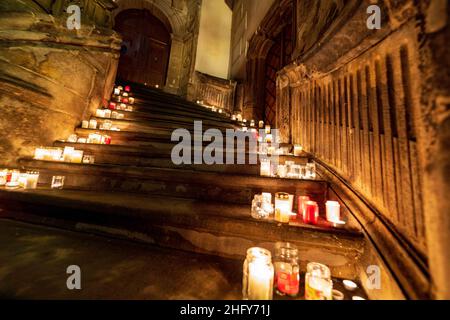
point(34, 259)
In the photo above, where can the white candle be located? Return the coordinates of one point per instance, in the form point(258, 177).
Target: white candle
point(283, 207)
point(3, 175)
point(85, 124)
point(281, 171)
point(100, 113)
point(268, 129)
point(298, 150)
point(39, 153)
point(31, 181)
point(252, 123)
point(333, 211)
point(260, 281)
point(107, 113)
point(77, 156)
point(93, 124)
point(116, 91)
point(350, 285)
point(265, 168)
point(261, 124)
point(239, 117)
point(120, 116)
point(67, 154)
point(233, 117)
point(131, 100)
point(58, 182)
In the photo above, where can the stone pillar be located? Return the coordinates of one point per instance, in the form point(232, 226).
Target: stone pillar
point(254, 89)
point(175, 65)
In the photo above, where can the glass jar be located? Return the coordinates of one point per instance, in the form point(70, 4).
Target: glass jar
point(287, 276)
point(283, 207)
point(257, 281)
point(261, 208)
point(311, 170)
point(318, 283)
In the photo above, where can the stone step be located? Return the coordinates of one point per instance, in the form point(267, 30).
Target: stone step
point(164, 112)
point(159, 155)
point(149, 107)
point(206, 227)
point(157, 124)
point(110, 154)
point(229, 188)
point(151, 137)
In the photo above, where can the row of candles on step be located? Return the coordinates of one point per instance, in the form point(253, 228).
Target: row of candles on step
point(93, 138)
point(68, 154)
point(308, 210)
point(261, 276)
point(93, 124)
point(14, 179)
point(288, 170)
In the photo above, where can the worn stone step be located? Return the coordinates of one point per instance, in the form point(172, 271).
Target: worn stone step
point(167, 113)
point(152, 137)
point(230, 188)
point(206, 227)
point(159, 155)
point(157, 124)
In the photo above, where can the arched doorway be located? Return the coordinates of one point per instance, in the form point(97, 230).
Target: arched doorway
point(278, 56)
point(145, 48)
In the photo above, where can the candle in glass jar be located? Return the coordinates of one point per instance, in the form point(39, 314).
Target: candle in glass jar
point(268, 129)
point(261, 124)
point(31, 181)
point(100, 113)
point(302, 200)
point(282, 207)
point(239, 117)
point(252, 123)
point(269, 138)
point(298, 150)
point(258, 275)
point(39, 153)
point(311, 215)
point(233, 117)
point(281, 171)
point(265, 168)
point(333, 211)
point(318, 283)
point(77, 156)
point(93, 124)
point(85, 124)
point(57, 182)
point(67, 154)
point(3, 175)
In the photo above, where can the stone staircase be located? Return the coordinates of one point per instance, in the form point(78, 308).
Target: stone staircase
point(134, 191)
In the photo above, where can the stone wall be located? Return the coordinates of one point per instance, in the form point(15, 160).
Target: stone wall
point(372, 107)
point(51, 77)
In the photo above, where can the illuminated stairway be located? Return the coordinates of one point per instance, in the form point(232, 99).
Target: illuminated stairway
point(135, 191)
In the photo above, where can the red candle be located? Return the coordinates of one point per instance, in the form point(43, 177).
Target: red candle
point(112, 105)
point(107, 140)
point(8, 176)
point(125, 100)
point(302, 206)
point(127, 88)
point(311, 213)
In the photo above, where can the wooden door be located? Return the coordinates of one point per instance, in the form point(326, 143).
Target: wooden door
point(145, 47)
